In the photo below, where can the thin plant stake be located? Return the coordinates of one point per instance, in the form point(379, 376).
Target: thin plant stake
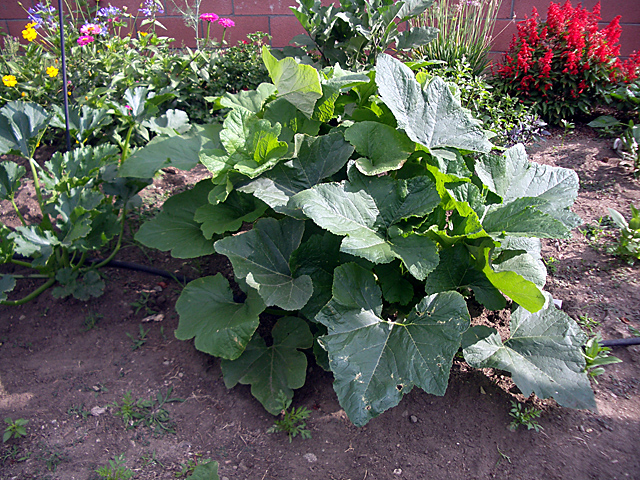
point(65, 91)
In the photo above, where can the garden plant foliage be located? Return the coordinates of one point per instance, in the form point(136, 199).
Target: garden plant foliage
point(376, 208)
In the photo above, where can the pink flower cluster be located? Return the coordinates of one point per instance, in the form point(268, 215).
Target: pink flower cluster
point(212, 17)
point(85, 39)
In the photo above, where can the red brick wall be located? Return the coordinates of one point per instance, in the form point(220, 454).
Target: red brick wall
point(275, 18)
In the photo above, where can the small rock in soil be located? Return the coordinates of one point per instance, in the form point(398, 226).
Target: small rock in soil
point(397, 471)
point(414, 419)
point(310, 457)
point(97, 411)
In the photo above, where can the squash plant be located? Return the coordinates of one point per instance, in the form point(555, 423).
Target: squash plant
point(373, 208)
point(82, 200)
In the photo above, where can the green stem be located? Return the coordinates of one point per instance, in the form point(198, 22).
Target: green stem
point(81, 261)
point(118, 245)
point(125, 147)
point(15, 207)
point(31, 296)
point(46, 221)
point(21, 263)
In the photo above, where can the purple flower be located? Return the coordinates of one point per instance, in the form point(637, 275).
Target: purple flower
point(151, 8)
point(85, 39)
point(209, 17)
point(226, 22)
point(42, 13)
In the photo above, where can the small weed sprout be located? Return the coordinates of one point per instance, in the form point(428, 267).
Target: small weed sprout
point(587, 323)
point(136, 343)
point(596, 356)
point(91, 320)
point(115, 470)
point(552, 265)
point(524, 416)
point(150, 413)
point(15, 429)
point(292, 423)
point(189, 467)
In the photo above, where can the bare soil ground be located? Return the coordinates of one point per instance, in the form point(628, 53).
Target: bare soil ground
point(60, 359)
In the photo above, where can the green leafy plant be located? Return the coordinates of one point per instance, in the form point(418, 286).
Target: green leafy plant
point(629, 240)
point(14, 429)
point(465, 29)
point(561, 65)
point(82, 206)
point(149, 413)
point(525, 416)
point(552, 265)
point(140, 340)
point(91, 320)
point(376, 208)
point(505, 116)
point(115, 470)
point(355, 32)
point(292, 422)
point(597, 356)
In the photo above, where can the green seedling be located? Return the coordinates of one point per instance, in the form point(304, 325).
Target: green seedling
point(115, 470)
point(503, 456)
point(78, 411)
point(292, 423)
point(587, 323)
point(140, 340)
point(149, 413)
point(191, 464)
point(150, 459)
point(91, 320)
point(143, 303)
point(524, 416)
point(552, 265)
point(597, 356)
point(15, 429)
point(13, 455)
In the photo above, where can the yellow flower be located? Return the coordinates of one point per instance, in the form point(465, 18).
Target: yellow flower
point(29, 34)
point(143, 34)
point(30, 25)
point(52, 72)
point(9, 81)
point(24, 94)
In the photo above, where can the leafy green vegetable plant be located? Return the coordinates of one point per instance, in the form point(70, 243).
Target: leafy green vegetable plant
point(629, 241)
point(377, 209)
point(355, 32)
point(14, 429)
point(597, 356)
point(82, 203)
point(525, 416)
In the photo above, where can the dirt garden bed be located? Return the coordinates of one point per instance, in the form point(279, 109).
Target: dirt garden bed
point(60, 359)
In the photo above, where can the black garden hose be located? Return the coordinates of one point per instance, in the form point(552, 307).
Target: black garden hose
point(621, 342)
point(143, 268)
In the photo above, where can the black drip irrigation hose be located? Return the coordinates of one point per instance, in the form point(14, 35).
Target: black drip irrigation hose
point(621, 342)
point(143, 268)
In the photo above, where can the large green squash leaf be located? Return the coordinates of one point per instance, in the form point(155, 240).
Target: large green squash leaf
point(261, 256)
point(521, 255)
point(365, 211)
point(543, 354)
point(382, 147)
point(175, 228)
point(431, 117)
point(7, 283)
point(221, 326)
point(251, 146)
point(167, 151)
point(512, 176)
point(19, 123)
point(292, 120)
point(317, 257)
point(314, 159)
point(251, 100)
point(298, 84)
point(229, 216)
point(376, 361)
point(273, 372)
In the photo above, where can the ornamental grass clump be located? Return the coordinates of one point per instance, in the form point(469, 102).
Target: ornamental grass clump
point(465, 29)
point(560, 65)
